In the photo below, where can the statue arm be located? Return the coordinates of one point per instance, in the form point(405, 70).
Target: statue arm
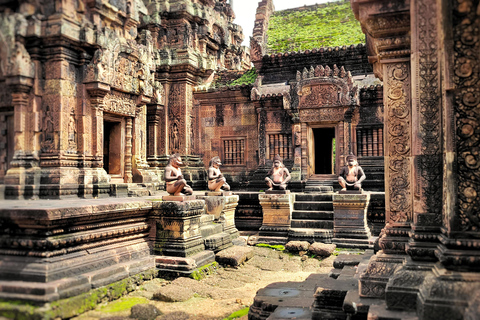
point(361, 175)
point(287, 176)
point(211, 174)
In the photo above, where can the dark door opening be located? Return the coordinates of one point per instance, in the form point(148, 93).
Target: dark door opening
point(112, 147)
point(324, 139)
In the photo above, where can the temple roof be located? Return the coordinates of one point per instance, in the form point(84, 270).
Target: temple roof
point(323, 25)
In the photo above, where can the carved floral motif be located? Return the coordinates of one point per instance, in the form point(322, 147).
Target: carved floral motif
point(399, 142)
point(466, 24)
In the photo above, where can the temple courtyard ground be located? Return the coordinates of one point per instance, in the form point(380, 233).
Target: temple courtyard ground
point(216, 296)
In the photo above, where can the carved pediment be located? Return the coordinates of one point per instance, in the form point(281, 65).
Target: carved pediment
point(124, 65)
point(326, 87)
point(14, 58)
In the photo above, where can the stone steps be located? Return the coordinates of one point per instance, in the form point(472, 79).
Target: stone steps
point(312, 215)
point(312, 224)
point(310, 235)
point(313, 206)
point(312, 218)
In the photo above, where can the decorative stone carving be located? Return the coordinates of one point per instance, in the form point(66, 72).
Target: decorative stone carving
point(398, 144)
point(318, 87)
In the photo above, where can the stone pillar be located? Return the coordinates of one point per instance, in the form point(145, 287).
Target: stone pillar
point(426, 131)
point(153, 126)
point(455, 281)
point(128, 150)
point(277, 207)
point(22, 179)
point(262, 143)
point(402, 289)
point(350, 229)
point(388, 31)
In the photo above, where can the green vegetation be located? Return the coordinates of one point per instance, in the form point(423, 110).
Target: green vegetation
point(247, 78)
point(329, 25)
point(238, 314)
point(204, 271)
point(278, 247)
point(69, 307)
point(123, 304)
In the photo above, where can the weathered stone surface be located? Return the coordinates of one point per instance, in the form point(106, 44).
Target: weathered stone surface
point(297, 246)
point(322, 249)
point(178, 315)
point(234, 256)
point(173, 293)
point(144, 312)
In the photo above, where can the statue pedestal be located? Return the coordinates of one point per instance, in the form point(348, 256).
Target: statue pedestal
point(177, 237)
point(277, 207)
point(176, 227)
point(350, 229)
point(222, 206)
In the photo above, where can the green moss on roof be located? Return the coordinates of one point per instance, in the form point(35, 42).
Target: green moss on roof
point(328, 25)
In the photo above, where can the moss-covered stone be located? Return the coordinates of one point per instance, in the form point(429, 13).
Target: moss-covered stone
point(204, 271)
point(69, 307)
point(305, 28)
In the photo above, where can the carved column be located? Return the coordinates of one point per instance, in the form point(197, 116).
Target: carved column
point(128, 150)
point(426, 132)
point(455, 281)
point(153, 123)
point(262, 144)
point(97, 92)
point(387, 29)
point(24, 166)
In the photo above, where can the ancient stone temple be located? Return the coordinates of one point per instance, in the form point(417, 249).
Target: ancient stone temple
point(311, 107)
point(95, 94)
point(427, 266)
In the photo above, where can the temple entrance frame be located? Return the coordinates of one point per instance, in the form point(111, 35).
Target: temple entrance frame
point(319, 137)
point(114, 146)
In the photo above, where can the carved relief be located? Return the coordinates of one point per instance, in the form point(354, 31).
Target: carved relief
point(321, 96)
point(120, 103)
point(72, 133)
point(324, 114)
point(14, 58)
point(467, 118)
point(175, 114)
point(124, 64)
point(399, 150)
point(323, 86)
point(48, 134)
point(428, 94)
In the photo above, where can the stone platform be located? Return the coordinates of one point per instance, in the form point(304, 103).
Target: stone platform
point(51, 250)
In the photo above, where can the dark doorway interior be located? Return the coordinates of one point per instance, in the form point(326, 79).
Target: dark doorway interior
point(324, 150)
point(111, 147)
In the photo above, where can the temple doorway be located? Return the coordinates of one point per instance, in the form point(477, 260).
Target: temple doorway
point(324, 154)
point(113, 146)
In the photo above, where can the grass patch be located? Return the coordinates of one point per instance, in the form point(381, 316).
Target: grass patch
point(123, 304)
point(238, 314)
point(277, 247)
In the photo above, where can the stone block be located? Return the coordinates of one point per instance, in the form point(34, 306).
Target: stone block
point(277, 210)
point(322, 249)
point(234, 256)
point(144, 312)
point(297, 246)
